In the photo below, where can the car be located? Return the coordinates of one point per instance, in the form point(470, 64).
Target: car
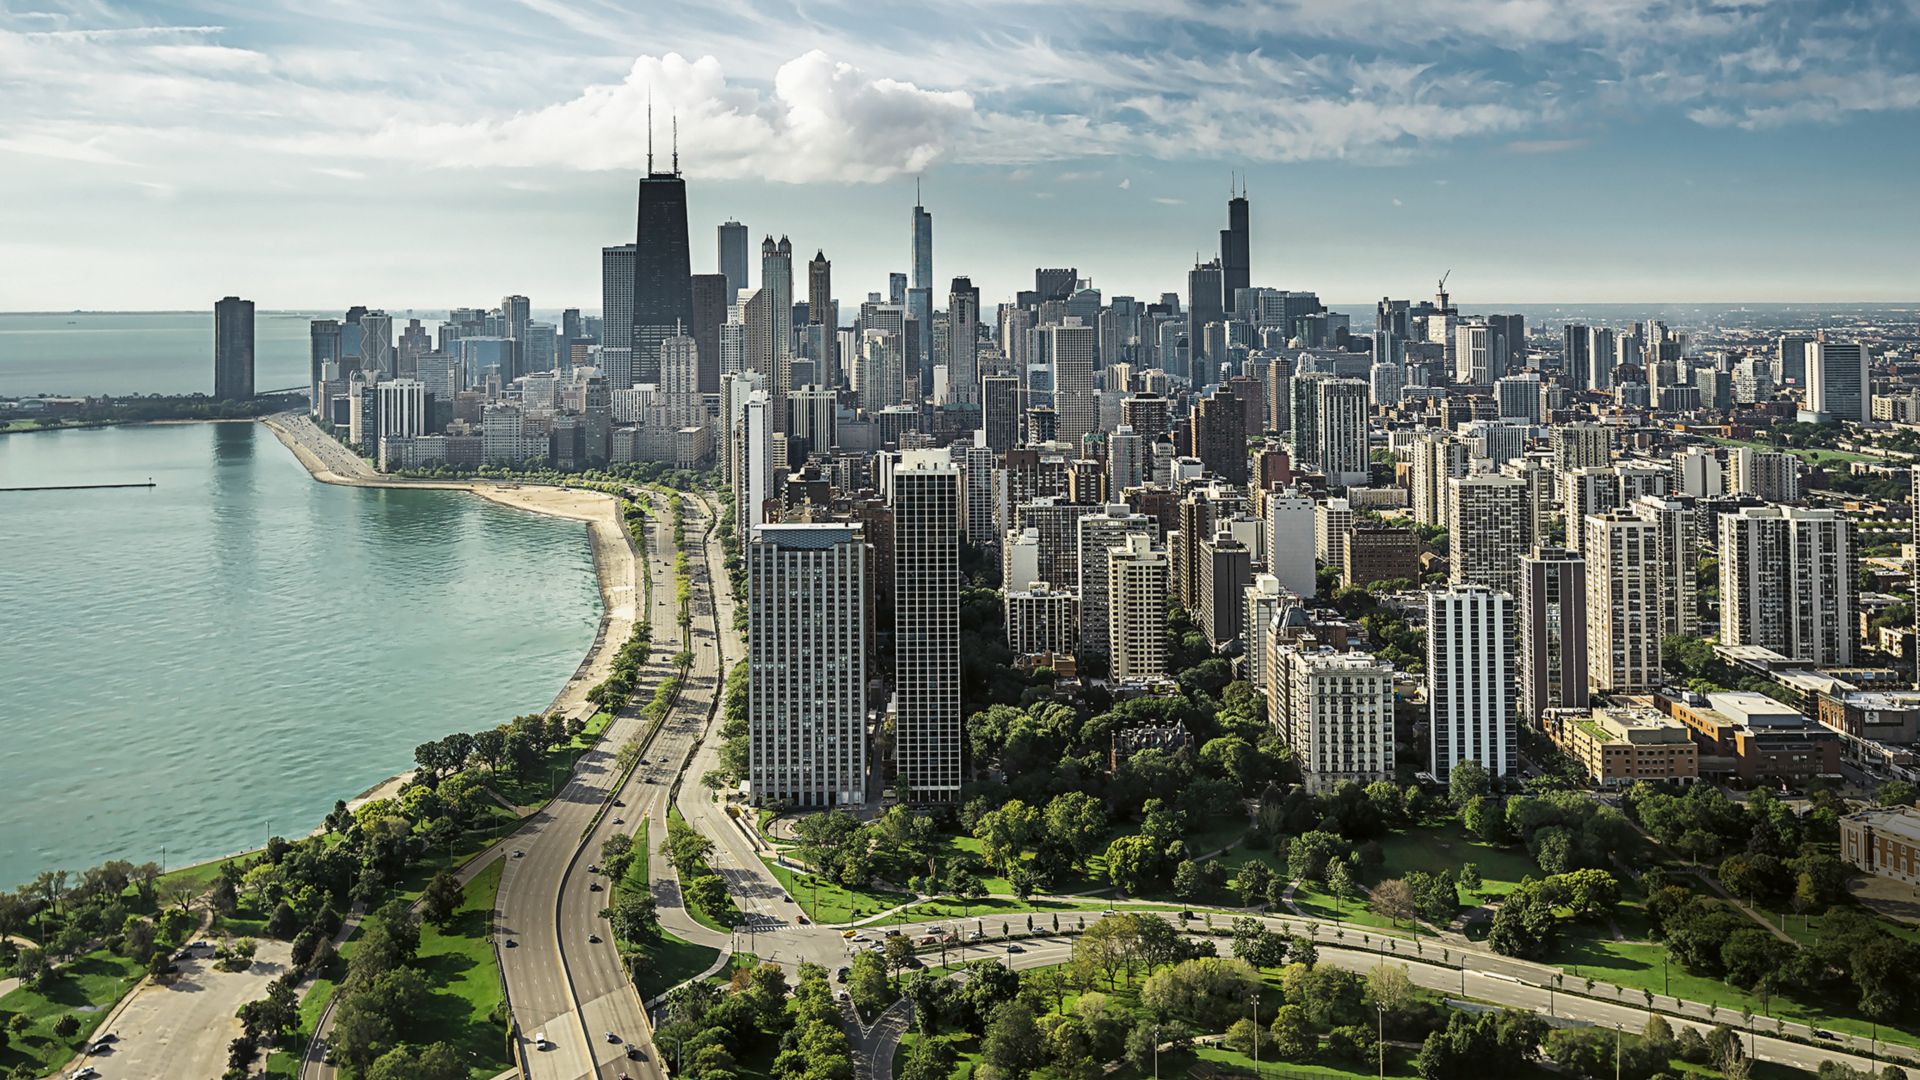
point(107, 1039)
point(1015, 948)
point(101, 1046)
point(840, 973)
point(619, 820)
point(634, 1053)
point(593, 939)
point(612, 1038)
point(329, 1058)
point(893, 931)
point(803, 920)
point(849, 934)
point(517, 853)
point(540, 1042)
point(1821, 1033)
point(85, 1072)
point(593, 886)
point(644, 761)
point(593, 868)
point(619, 802)
point(512, 944)
point(977, 935)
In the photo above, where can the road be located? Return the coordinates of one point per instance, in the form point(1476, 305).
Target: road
point(560, 984)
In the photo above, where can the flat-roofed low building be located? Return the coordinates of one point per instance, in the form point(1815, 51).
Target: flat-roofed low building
point(1884, 842)
point(1622, 744)
point(1884, 716)
point(1755, 738)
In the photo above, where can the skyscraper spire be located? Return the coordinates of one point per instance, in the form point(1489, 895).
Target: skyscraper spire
point(649, 131)
point(676, 144)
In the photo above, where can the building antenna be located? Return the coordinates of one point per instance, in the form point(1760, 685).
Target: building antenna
point(649, 131)
point(676, 144)
point(916, 191)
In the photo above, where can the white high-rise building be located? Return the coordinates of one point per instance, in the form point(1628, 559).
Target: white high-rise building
point(926, 522)
point(1341, 428)
point(1837, 385)
point(807, 642)
point(1264, 599)
point(1770, 475)
point(1436, 459)
point(1098, 534)
point(1579, 446)
point(1487, 530)
point(680, 382)
point(1070, 348)
point(1338, 716)
point(1517, 397)
point(753, 454)
point(1624, 582)
point(1332, 521)
point(1290, 541)
point(1473, 354)
point(1697, 472)
point(1583, 493)
point(402, 407)
point(1137, 610)
point(1787, 582)
point(1678, 523)
point(1470, 679)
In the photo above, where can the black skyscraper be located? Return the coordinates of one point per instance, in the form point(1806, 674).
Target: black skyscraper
point(662, 268)
point(1235, 252)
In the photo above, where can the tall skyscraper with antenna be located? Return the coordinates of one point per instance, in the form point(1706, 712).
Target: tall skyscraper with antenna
point(662, 263)
point(920, 295)
point(1235, 250)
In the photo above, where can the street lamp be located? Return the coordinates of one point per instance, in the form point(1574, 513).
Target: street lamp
point(1380, 1038)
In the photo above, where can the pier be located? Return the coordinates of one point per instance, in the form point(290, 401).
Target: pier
point(80, 487)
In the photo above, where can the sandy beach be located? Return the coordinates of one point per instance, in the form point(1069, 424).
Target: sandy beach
point(616, 563)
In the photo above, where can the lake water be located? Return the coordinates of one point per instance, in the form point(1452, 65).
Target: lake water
point(197, 665)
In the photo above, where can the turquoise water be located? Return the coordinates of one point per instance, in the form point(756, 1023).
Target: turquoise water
point(160, 352)
point(198, 665)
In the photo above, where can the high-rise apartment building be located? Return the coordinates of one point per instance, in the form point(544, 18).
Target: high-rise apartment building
point(1000, 411)
point(926, 509)
point(1203, 308)
point(1486, 530)
point(1773, 476)
point(807, 643)
point(1678, 522)
point(1226, 569)
point(1552, 631)
point(1220, 435)
point(1097, 534)
point(1787, 582)
point(1579, 446)
point(1071, 349)
point(1337, 716)
point(1291, 520)
point(1624, 579)
point(1470, 679)
point(710, 303)
point(233, 349)
point(1137, 610)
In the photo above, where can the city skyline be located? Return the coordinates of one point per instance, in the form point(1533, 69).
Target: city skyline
point(1371, 152)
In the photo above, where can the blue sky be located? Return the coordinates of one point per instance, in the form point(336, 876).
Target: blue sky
point(431, 153)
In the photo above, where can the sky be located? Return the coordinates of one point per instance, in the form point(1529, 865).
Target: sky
point(434, 153)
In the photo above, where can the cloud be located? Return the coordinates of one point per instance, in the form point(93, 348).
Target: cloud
point(87, 151)
point(1546, 146)
point(823, 121)
point(1397, 202)
point(1168, 200)
point(1125, 184)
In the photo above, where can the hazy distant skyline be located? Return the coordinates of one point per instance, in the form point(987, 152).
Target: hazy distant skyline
point(160, 155)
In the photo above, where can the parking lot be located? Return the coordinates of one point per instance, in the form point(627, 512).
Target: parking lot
point(182, 1028)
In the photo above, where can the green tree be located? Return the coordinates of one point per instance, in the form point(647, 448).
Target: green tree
point(1293, 1037)
point(441, 900)
point(1466, 781)
point(1011, 1048)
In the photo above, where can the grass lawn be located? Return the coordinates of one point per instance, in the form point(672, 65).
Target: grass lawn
point(467, 1007)
point(1220, 1061)
point(670, 961)
point(1811, 456)
point(91, 983)
point(700, 914)
point(1445, 847)
point(1318, 903)
point(831, 904)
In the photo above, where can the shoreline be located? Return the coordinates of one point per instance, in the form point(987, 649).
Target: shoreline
point(617, 566)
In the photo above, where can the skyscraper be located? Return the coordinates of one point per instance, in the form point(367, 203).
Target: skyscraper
point(926, 508)
point(1220, 435)
point(515, 313)
point(1235, 252)
point(662, 268)
point(773, 334)
point(1203, 307)
point(1000, 411)
point(733, 256)
point(1553, 631)
point(1071, 349)
point(710, 303)
point(807, 641)
point(963, 330)
point(323, 349)
point(920, 296)
point(616, 319)
point(1837, 383)
point(233, 349)
point(1470, 668)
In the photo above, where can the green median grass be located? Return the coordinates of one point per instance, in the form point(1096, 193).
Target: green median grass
point(830, 903)
point(467, 1007)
